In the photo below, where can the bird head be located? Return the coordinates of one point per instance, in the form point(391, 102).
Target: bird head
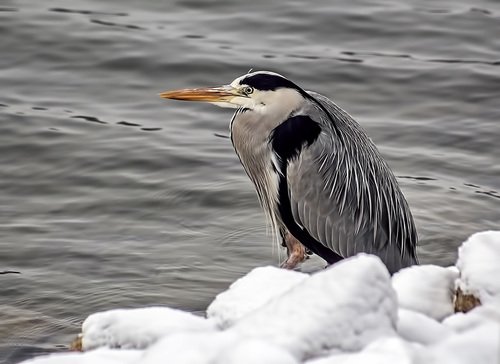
point(258, 91)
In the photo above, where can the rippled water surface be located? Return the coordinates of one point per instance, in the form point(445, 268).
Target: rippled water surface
point(112, 197)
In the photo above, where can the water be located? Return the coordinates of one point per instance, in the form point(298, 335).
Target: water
point(112, 197)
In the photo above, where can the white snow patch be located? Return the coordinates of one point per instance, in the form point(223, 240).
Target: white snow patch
point(256, 352)
point(415, 327)
point(382, 351)
point(214, 348)
point(250, 292)
point(189, 348)
point(480, 345)
point(138, 328)
point(343, 307)
point(99, 356)
point(427, 289)
point(479, 265)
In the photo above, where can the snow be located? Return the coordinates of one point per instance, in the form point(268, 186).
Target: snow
point(217, 348)
point(416, 327)
point(343, 307)
point(478, 262)
point(383, 351)
point(190, 348)
point(100, 356)
point(251, 292)
point(350, 313)
point(138, 328)
point(256, 352)
point(478, 345)
point(427, 289)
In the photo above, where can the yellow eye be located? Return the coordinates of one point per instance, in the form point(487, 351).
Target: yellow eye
point(247, 90)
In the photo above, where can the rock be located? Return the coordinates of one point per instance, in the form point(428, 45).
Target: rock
point(465, 302)
point(76, 345)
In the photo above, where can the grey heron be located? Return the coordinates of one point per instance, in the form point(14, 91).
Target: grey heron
point(320, 179)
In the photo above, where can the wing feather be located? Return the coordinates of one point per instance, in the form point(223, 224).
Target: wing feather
point(345, 195)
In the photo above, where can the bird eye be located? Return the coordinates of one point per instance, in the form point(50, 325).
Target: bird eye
point(247, 90)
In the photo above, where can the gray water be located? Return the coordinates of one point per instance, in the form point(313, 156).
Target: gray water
point(112, 197)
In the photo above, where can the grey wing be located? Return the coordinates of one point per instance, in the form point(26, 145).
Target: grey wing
point(344, 194)
point(314, 210)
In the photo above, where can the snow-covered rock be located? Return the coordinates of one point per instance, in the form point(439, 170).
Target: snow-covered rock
point(138, 328)
point(99, 356)
point(250, 292)
point(488, 313)
point(427, 289)
point(416, 327)
point(344, 307)
point(478, 263)
point(346, 314)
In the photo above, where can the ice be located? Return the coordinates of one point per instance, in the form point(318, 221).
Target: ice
point(479, 265)
point(250, 292)
point(427, 289)
point(138, 328)
point(344, 307)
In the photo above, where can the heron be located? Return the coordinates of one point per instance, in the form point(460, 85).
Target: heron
point(321, 181)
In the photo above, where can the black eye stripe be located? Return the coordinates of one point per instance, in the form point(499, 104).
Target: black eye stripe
point(268, 82)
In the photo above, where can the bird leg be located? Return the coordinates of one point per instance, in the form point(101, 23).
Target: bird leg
point(295, 251)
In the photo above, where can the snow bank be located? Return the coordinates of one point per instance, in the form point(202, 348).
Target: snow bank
point(427, 289)
point(250, 292)
point(478, 263)
point(346, 314)
point(343, 307)
point(138, 328)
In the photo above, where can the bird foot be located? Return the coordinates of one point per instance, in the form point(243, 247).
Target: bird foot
point(296, 252)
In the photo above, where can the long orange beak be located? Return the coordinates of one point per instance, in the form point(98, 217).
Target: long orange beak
point(208, 94)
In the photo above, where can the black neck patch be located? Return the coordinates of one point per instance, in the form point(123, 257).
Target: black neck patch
point(288, 138)
point(287, 141)
point(269, 82)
